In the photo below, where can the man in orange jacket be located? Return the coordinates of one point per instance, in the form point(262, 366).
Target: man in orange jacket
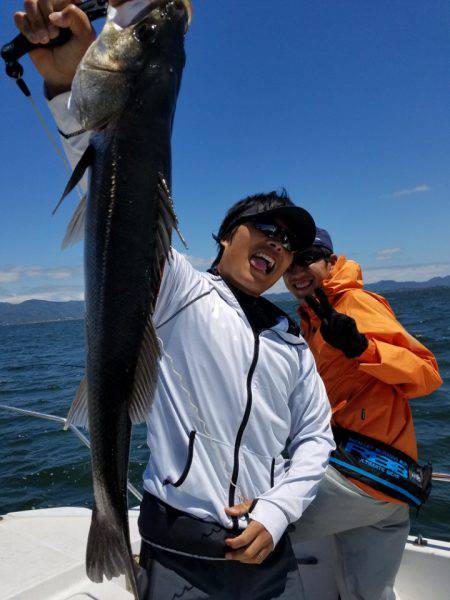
point(371, 367)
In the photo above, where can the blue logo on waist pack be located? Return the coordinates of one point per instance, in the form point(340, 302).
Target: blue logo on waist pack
point(378, 459)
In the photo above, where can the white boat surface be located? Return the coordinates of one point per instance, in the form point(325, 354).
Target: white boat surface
point(42, 556)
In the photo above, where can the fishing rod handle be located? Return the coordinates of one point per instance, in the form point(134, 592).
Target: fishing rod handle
point(20, 45)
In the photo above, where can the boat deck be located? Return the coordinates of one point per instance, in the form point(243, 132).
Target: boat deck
point(42, 558)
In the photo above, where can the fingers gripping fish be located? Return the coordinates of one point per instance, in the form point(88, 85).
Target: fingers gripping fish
point(125, 89)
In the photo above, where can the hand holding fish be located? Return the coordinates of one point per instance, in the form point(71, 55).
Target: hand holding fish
point(41, 22)
point(254, 544)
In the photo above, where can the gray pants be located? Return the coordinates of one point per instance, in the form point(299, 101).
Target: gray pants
point(369, 536)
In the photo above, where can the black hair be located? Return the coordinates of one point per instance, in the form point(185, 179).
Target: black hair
point(260, 202)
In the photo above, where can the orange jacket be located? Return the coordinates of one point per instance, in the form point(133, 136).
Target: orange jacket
point(370, 394)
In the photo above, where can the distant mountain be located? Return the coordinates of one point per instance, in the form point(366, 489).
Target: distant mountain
point(383, 286)
point(36, 311)
point(389, 285)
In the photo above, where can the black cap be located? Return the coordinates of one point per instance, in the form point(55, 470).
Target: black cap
point(298, 221)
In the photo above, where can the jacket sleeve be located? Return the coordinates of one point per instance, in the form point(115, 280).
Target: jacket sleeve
point(180, 285)
point(393, 356)
point(74, 138)
point(180, 280)
point(311, 444)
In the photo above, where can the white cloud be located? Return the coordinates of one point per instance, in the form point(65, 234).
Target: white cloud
point(199, 262)
point(278, 288)
point(61, 293)
point(9, 276)
point(19, 273)
point(54, 293)
point(418, 189)
point(387, 253)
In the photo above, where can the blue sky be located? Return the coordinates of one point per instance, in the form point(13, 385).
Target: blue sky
point(345, 103)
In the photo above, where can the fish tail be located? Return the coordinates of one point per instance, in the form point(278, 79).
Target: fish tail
point(108, 552)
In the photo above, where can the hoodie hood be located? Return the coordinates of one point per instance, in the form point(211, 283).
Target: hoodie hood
point(345, 275)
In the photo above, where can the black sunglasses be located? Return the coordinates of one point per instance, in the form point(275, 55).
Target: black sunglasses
point(308, 257)
point(275, 232)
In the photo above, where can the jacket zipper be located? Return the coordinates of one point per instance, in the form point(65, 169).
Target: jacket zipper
point(188, 464)
point(243, 425)
point(272, 473)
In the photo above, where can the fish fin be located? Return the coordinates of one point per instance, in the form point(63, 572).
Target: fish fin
point(168, 201)
point(108, 551)
point(147, 363)
point(145, 376)
point(78, 413)
point(83, 164)
point(75, 229)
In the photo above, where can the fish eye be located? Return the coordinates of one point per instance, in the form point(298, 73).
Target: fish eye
point(144, 31)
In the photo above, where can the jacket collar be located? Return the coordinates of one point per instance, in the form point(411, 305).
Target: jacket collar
point(283, 325)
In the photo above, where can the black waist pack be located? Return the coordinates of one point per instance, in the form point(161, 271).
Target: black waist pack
point(380, 466)
point(168, 528)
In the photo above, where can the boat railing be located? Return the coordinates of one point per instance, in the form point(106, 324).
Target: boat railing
point(444, 477)
point(39, 415)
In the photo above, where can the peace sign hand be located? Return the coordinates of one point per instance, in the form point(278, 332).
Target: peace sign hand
point(338, 330)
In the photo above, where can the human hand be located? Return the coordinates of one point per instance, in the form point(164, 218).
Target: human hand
point(41, 22)
point(338, 330)
point(254, 544)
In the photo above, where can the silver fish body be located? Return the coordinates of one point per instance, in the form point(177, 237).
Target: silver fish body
point(126, 87)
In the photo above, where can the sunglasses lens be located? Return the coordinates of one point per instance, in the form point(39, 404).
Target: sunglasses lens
point(305, 259)
point(275, 232)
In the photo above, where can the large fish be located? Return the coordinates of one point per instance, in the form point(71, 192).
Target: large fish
point(125, 89)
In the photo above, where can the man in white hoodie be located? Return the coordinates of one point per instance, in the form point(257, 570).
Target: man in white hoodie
point(236, 381)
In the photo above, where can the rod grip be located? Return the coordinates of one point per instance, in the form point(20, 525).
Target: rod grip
point(20, 45)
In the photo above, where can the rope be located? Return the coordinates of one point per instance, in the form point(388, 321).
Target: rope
point(52, 139)
point(49, 134)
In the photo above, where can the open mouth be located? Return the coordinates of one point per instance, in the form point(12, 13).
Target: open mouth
point(303, 284)
point(262, 262)
point(159, 7)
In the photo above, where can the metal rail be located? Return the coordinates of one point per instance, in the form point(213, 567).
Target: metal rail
point(444, 477)
point(441, 477)
point(75, 430)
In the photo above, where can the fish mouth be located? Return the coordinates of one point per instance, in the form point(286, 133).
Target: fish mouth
point(143, 26)
point(156, 8)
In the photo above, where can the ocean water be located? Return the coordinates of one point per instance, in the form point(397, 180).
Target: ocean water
point(41, 365)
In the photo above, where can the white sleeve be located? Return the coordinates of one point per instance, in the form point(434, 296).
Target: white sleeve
point(311, 444)
point(180, 284)
point(123, 15)
point(74, 138)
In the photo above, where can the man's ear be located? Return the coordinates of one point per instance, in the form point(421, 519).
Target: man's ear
point(332, 260)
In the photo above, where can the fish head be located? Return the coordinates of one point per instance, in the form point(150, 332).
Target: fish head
point(122, 60)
